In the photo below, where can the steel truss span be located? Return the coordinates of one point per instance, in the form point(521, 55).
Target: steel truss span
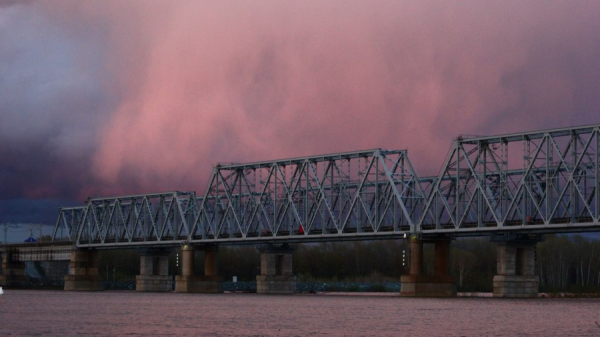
point(364, 194)
point(536, 182)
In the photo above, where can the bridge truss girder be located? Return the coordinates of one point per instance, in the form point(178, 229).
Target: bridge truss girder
point(548, 180)
point(363, 194)
point(129, 219)
point(68, 222)
point(535, 182)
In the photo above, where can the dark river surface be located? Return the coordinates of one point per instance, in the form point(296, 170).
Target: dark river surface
point(129, 313)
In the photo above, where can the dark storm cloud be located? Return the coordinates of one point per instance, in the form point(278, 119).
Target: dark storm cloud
point(9, 3)
point(22, 210)
point(111, 97)
point(52, 104)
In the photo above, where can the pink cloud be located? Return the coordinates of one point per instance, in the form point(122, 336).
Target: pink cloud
point(201, 83)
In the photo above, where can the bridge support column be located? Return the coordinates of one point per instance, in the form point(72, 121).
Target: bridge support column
point(516, 270)
point(419, 285)
point(13, 273)
point(83, 271)
point(188, 282)
point(276, 271)
point(154, 271)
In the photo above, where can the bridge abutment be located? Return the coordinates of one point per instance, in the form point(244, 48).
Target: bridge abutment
point(188, 282)
point(154, 271)
point(416, 284)
point(83, 271)
point(13, 273)
point(276, 270)
point(516, 270)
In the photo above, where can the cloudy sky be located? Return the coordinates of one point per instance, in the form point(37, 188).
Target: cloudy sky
point(101, 98)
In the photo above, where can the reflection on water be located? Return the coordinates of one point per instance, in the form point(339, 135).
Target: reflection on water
point(118, 313)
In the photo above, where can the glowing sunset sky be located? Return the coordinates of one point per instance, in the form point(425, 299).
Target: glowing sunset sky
point(116, 97)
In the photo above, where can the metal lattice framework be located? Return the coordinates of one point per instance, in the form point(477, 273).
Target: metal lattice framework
point(68, 222)
point(534, 182)
point(356, 194)
point(348, 193)
point(130, 219)
point(526, 181)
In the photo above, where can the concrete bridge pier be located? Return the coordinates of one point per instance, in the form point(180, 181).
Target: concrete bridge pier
point(83, 271)
point(416, 284)
point(516, 269)
point(188, 282)
point(276, 275)
point(154, 271)
point(13, 273)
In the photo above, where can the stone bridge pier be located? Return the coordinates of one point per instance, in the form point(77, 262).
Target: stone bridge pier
point(83, 271)
point(188, 281)
point(516, 269)
point(154, 271)
point(276, 274)
point(13, 273)
point(419, 285)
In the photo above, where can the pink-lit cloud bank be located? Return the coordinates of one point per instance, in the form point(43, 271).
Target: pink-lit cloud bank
point(106, 98)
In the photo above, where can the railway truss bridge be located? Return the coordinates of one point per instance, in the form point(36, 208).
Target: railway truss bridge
point(512, 188)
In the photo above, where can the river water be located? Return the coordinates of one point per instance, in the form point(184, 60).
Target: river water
point(129, 313)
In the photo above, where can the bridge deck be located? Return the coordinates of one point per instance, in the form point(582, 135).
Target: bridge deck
point(52, 251)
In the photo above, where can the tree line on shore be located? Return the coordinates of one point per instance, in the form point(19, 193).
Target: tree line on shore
point(563, 262)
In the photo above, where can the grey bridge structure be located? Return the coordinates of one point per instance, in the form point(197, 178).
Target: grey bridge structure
point(512, 188)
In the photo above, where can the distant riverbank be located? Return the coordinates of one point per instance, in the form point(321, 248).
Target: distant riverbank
point(307, 287)
point(249, 287)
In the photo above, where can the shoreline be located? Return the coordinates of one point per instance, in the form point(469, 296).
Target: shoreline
point(352, 293)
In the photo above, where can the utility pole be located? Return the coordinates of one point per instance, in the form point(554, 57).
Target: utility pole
point(6, 227)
